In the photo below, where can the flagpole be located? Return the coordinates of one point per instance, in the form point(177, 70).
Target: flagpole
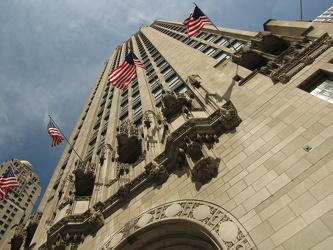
point(65, 138)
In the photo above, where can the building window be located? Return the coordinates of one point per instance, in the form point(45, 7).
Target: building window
point(222, 41)
point(167, 72)
point(236, 45)
point(124, 118)
point(202, 35)
point(222, 56)
point(173, 82)
point(158, 93)
point(210, 38)
point(324, 91)
point(210, 51)
point(320, 85)
point(137, 110)
point(200, 47)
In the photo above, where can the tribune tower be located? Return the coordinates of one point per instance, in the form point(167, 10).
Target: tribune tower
point(224, 141)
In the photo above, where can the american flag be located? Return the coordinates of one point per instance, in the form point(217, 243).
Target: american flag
point(2, 194)
point(196, 20)
point(7, 181)
point(54, 133)
point(124, 74)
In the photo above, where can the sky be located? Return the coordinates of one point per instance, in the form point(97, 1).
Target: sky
point(51, 54)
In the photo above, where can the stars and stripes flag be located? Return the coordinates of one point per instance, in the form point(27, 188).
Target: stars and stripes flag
point(124, 74)
point(2, 194)
point(7, 181)
point(54, 133)
point(196, 20)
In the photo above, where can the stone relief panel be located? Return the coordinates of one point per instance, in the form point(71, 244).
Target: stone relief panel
point(230, 233)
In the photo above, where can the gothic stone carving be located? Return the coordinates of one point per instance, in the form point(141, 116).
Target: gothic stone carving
point(205, 169)
point(96, 218)
point(67, 191)
point(84, 167)
point(157, 172)
point(229, 116)
point(230, 233)
point(173, 104)
point(194, 80)
point(124, 190)
point(129, 139)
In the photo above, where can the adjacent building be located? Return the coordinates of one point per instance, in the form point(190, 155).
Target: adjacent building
point(223, 141)
point(326, 17)
point(16, 209)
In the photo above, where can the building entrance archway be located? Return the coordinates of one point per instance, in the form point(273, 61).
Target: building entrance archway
point(183, 224)
point(175, 234)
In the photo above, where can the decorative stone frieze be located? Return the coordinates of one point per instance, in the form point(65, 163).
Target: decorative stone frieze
point(67, 192)
point(122, 168)
point(103, 153)
point(84, 167)
point(72, 230)
point(298, 56)
point(279, 58)
point(226, 231)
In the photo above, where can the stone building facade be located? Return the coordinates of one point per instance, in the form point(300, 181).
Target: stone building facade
point(224, 141)
point(16, 209)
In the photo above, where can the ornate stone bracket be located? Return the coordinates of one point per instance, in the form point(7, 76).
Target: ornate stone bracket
point(129, 139)
point(102, 154)
point(229, 116)
point(298, 57)
point(278, 58)
point(124, 190)
point(84, 167)
point(173, 104)
point(19, 237)
point(72, 230)
point(205, 169)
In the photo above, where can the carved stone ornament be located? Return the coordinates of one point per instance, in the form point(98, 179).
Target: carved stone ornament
point(194, 80)
point(129, 139)
point(124, 190)
point(228, 232)
point(157, 172)
point(71, 230)
point(19, 237)
point(229, 116)
point(96, 218)
point(205, 169)
point(300, 54)
point(173, 104)
point(84, 167)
